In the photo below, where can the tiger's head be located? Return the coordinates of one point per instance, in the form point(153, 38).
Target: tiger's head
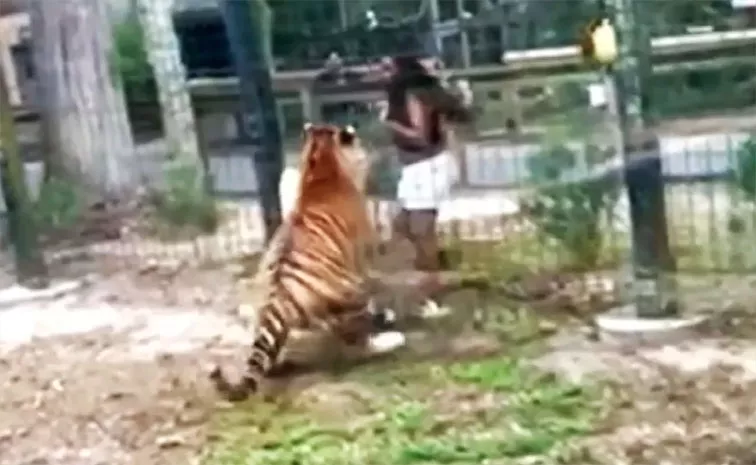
point(333, 155)
point(331, 182)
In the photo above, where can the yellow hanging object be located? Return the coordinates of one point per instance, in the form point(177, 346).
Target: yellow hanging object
point(604, 42)
point(586, 40)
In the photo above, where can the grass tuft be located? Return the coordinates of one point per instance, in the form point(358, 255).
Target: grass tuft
point(425, 413)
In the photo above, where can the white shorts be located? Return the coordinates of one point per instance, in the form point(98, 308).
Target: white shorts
point(427, 184)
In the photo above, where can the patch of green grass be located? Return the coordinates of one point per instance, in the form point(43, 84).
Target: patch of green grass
point(184, 209)
point(424, 413)
point(60, 205)
point(524, 252)
point(696, 249)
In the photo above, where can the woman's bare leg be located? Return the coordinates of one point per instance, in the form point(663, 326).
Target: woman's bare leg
point(422, 234)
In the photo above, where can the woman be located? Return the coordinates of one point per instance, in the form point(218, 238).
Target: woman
point(418, 110)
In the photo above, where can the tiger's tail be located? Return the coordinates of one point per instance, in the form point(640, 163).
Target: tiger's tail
point(271, 335)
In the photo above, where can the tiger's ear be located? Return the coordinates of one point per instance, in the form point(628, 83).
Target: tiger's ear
point(306, 131)
point(347, 135)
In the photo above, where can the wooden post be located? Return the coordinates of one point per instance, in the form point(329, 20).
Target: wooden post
point(31, 269)
point(11, 76)
point(511, 101)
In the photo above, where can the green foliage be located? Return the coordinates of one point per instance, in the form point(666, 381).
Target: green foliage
point(569, 211)
point(744, 174)
point(184, 204)
point(411, 416)
point(131, 64)
point(688, 92)
point(59, 206)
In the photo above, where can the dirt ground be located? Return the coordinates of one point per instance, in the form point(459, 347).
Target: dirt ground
point(116, 374)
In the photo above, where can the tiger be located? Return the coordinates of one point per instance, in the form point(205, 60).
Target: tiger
point(314, 274)
point(355, 160)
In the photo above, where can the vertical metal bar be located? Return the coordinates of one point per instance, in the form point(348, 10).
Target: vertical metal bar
point(435, 17)
point(343, 14)
point(311, 107)
point(464, 36)
point(652, 289)
point(260, 126)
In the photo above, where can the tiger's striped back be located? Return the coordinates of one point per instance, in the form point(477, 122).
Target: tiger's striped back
point(314, 268)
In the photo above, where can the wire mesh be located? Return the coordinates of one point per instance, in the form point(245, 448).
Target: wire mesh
point(539, 177)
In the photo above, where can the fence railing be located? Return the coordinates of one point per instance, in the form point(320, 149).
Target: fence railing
point(548, 200)
point(526, 69)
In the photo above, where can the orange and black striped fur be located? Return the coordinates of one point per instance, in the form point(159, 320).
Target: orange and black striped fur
point(313, 273)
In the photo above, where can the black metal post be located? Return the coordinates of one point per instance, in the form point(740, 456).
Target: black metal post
point(652, 258)
point(260, 125)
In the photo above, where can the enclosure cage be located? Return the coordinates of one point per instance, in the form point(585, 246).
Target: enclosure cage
point(303, 36)
point(473, 33)
point(523, 67)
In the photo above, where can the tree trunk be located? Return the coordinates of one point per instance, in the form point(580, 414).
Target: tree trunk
point(21, 230)
point(83, 106)
point(163, 51)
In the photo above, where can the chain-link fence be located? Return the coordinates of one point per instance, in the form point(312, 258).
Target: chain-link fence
point(541, 187)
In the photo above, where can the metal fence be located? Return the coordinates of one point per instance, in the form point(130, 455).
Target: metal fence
point(542, 189)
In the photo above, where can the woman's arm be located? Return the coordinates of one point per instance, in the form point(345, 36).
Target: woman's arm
point(403, 130)
point(416, 129)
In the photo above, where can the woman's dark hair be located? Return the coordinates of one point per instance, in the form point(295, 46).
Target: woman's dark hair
point(411, 75)
point(408, 74)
